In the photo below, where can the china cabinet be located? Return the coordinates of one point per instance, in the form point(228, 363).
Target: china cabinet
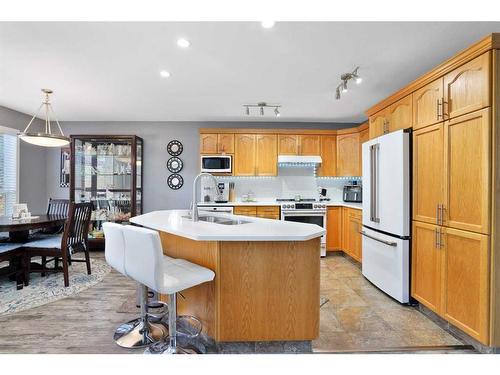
point(107, 171)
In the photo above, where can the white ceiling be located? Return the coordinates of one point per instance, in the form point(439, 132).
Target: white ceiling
point(110, 71)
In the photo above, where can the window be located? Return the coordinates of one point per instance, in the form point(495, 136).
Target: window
point(9, 157)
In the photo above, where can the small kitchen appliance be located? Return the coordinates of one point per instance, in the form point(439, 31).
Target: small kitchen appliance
point(216, 163)
point(353, 193)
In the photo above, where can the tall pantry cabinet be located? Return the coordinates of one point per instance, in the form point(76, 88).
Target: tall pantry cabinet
point(456, 211)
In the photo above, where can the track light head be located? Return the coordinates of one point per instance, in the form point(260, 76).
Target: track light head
point(344, 86)
point(262, 111)
point(247, 111)
point(337, 93)
point(277, 112)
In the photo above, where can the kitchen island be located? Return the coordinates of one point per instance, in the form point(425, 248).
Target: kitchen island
point(267, 274)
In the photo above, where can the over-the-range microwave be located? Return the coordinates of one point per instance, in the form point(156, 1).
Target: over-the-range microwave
point(216, 163)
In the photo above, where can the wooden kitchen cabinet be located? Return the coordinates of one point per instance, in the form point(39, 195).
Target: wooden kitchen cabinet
point(351, 236)
point(288, 144)
point(245, 210)
point(466, 276)
point(378, 123)
point(348, 155)
point(309, 144)
point(266, 157)
point(401, 114)
point(225, 143)
point(363, 137)
point(217, 143)
point(468, 163)
point(268, 212)
point(428, 173)
point(208, 143)
point(428, 104)
point(328, 154)
point(244, 155)
point(467, 88)
point(427, 266)
point(334, 228)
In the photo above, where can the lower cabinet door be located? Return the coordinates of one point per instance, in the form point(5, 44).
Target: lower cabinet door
point(466, 284)
point(427, 265)
point(334, 228)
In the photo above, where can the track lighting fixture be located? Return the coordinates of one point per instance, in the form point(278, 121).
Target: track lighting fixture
point(344, 79)
point(261, 106)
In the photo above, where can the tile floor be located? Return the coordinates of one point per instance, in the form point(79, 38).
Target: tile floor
point(359, 317)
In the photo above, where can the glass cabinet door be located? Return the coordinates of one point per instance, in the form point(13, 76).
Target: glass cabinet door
point(103, 175)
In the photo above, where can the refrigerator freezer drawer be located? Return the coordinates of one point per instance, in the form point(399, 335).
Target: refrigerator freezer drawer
point(386, 263)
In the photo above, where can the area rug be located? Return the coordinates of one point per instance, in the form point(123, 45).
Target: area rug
point(43, 290)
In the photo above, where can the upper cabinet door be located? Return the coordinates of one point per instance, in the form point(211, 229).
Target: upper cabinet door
point(378, 123)
point(467, 88)
point(225, 143)
point(244, 155)
point(363, 137)
point(466, 281)
point(468, 155)
point(208, 143)
point(428, 104)
point(428, 173)
point(348, 155)
point(328, 165)
point(401, 114)
point(266, 155)
point(309, 145)
point(288, 144)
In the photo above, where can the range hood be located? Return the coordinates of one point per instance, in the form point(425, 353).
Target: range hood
point(299, 160)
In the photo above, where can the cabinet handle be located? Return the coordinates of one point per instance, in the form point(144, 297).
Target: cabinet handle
point(442, 213)
point(436, 238)
point(437, 213)
point(439, 109)
point(441, 243)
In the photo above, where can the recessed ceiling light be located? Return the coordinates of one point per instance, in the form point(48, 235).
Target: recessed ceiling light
point(267, 24)
point(183, 43)
point(165, 74)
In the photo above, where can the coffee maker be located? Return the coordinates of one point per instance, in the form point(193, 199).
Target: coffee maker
point(210, 194)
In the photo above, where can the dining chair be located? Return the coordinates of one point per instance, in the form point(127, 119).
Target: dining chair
point(58, 207)
point(74, 238)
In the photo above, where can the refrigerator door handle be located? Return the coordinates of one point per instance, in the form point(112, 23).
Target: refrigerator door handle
point(372, 215)
point(374, 200)
point(389, 243)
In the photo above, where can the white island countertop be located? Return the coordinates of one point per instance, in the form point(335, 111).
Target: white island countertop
point(256, 229)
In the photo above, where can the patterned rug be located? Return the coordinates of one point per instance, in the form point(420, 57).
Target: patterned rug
point(43, 290)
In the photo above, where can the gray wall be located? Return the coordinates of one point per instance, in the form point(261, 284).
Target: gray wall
point(156, 135)
point(32, 163)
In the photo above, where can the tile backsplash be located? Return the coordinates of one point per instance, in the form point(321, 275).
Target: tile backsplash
point(290, 181)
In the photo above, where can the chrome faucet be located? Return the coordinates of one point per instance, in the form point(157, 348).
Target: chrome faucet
point(194, 205)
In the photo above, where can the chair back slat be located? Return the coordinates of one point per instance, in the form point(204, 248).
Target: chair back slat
point(58, 207)
point(76, 229)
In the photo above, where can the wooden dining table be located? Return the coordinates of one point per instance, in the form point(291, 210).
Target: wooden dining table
point(19, 229)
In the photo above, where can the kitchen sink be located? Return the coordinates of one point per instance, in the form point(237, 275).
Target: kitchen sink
point(219, 220)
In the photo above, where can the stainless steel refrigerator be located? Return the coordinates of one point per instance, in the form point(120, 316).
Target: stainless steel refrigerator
point(386, 213)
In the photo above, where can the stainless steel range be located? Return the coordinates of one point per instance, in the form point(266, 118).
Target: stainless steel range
point(310, 211)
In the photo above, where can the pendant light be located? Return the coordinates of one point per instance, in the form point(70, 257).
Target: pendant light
point(46, 138)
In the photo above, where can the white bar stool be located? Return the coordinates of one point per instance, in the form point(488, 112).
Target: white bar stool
point(145, 262)
point(140, 332)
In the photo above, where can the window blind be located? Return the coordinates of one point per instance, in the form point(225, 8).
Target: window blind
point(8, 173)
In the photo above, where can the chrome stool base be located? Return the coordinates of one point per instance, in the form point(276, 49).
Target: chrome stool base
point(165, 348)
point(131, 334)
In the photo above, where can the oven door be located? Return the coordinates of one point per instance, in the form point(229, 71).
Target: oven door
point(216, 163)
point(318, 218)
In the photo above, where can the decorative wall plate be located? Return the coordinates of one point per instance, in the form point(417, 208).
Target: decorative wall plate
point(175, 181)
point(174, 164)
point(175, 148)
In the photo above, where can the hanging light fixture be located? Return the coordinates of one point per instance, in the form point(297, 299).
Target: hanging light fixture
point(344, 79)
point(261, 106)
point(46, 138)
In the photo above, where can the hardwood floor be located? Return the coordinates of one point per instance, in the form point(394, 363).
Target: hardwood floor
point(358, 318)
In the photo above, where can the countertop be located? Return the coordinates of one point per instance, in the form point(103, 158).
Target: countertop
point(358, 206)
point(257, 229)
